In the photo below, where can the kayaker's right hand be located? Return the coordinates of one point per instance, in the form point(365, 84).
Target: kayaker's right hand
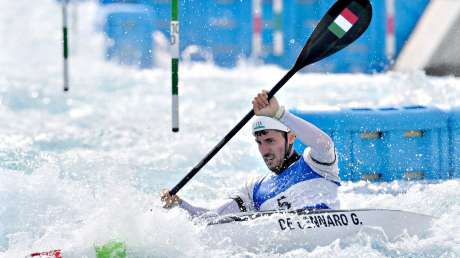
point(169, 200)
point(264, 107)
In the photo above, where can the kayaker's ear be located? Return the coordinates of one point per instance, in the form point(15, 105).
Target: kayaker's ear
point(291, 137)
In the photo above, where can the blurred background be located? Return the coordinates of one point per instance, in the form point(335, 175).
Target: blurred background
point(403, 35)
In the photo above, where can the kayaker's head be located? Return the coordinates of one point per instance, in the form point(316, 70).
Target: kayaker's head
point(274, 140)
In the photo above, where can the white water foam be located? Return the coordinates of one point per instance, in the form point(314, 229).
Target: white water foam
point(81, 168)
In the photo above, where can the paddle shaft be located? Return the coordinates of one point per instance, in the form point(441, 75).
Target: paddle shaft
point(322, 43)
point(230, 135)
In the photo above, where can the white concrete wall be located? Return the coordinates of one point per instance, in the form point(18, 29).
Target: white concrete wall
point(434, 45)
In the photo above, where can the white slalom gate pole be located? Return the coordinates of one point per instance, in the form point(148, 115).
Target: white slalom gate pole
point(277, 30)
point(256, 29)
point(390, 38)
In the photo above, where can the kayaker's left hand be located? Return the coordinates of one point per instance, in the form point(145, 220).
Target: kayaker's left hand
point(169, 200)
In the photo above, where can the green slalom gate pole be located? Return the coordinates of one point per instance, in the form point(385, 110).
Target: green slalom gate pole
point(65, 45)
point(175, 63)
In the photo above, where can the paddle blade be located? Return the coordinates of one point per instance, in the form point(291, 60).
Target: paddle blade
point(345, 21)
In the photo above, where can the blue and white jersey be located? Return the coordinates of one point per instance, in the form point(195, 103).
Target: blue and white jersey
point(310, 182)
point(304, 184)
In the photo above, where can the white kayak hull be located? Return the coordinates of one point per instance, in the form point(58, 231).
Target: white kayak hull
point(277, 230)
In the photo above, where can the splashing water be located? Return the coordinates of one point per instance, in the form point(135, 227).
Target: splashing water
point(82, 168)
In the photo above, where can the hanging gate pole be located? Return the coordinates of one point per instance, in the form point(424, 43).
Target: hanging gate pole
point(175, 63)
point(65, 45)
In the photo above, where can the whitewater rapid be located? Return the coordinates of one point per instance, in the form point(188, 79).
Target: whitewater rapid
point(82, 168)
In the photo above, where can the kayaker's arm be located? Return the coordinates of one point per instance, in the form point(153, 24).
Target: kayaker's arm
point(322, 146)
point(192, 210)
point(320, 154)
point(231, 206)
point(228, 207)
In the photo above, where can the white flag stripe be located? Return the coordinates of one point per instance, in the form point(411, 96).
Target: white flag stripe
point(343, 23)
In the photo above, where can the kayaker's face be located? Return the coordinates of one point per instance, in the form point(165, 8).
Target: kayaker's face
point(272, 146)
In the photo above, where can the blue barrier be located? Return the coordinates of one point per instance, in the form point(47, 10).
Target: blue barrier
point(407, 14)
point(119, 1)
point(229, 33)
point(454, 142)
point(159, 11)
point(299, 19)
point(267, 19)
point(193, 24)
point(387, 144)
point(161, 15)
point(130, 31)
point(223, 29)
point(367, 54)
point(192, 20)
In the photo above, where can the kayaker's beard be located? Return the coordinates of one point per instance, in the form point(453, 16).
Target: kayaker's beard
point(273, 163)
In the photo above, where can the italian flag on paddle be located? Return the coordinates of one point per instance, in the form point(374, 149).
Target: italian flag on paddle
point(343, 23)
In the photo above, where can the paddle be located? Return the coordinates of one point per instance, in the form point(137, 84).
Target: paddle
point(343, 23)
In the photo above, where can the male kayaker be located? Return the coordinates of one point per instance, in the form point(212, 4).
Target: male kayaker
point(309, 180)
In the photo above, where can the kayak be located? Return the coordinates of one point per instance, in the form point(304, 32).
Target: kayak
point(279, 230)
point(287, 230)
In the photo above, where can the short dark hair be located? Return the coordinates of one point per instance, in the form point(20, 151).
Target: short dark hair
point(264, 132)
point(260, 133)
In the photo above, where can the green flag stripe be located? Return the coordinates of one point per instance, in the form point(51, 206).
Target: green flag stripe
point(334, 28)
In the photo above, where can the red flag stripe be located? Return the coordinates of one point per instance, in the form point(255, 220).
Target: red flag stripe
point(350, 16)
